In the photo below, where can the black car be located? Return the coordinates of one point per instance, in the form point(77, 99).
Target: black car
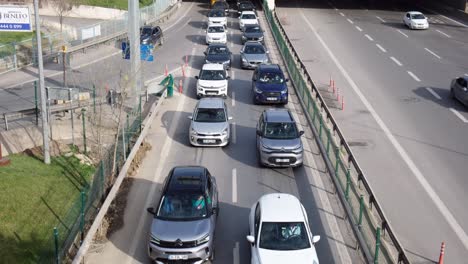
point(151, 35)
point(252, 33)
point(222, 5)
point(245, 6)
point(218, 53)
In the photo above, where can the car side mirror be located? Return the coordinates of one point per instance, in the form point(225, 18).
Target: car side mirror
point(204, 53)
point(251, 239)
point(315, 239)
point(196, 77)
point(241, 52)
point(267, 51)
point(287, 80)
point(229, 117)
point(301, 133)
point(465, 89)
point(151, 210)
point(259, 132)
point(228, 77)
point(190, 117)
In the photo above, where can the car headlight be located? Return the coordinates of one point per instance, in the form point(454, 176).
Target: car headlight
point(284, 92)
point(244, 60)
point(266, 149)
point(244, 38)
point(297, 150)
point(203, 240)
point(260, 38)
point(258, 90)
point(225, 132)
point(193, 132)
point(144, 42)
point(154, 240)
point(207, 61)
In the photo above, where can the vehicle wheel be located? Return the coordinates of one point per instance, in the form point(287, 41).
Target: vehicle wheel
point(198, 96)
point(255, 102)
point(452, 93)
point(259, 160)
point(212, 256)
point(161, 41)
point(285, 103)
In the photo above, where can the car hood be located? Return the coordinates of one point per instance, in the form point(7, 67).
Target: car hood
point(253, 34)
point(269, 87)
point(281, 144)
point(302, 256)
point(255, 57)
point(209, 128)
point(183, 230)
point(212, 84)
point(249, 21)
point(218, 57)
point(419, 21)
point(216, 35)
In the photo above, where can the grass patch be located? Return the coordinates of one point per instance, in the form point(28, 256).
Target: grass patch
point(117, 4)
point(34, 199)
point(10, 37)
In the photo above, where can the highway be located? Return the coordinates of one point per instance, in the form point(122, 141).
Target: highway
point(407, 134)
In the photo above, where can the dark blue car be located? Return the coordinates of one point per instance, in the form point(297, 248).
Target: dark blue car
point(269, 85)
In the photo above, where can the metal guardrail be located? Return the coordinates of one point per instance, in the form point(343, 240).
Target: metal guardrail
point(370, 225)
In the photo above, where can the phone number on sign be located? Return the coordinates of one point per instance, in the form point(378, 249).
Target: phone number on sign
point(12, 26)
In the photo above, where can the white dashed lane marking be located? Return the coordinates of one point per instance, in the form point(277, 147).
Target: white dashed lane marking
point(445, 34)
point(433, 93)
point(379, 18)
point(414, 76)
point(234, 185)
point(358, 28)
point(350, 21)
point(342, 14)
point(401, 32)
point(381, 48)
point(369, 37)
point(462, 118)
point(433, 53)
point(396, 61)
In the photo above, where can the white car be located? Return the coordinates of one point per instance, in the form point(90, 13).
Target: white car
point(415, 20)
point(216, 33)
point(217, 16)
point(212, 80)
point(247, 18)
point(279, 231)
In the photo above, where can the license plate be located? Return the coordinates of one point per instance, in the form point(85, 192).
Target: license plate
point(178, 257)
point(212, 93)
point(209, 141)
point(282, 160)
point(272, 98)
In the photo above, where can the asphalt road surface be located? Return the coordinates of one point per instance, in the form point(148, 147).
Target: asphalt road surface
point(408, 135)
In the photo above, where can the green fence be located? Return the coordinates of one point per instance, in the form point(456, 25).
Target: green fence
point(68, 234)
point(378, 242)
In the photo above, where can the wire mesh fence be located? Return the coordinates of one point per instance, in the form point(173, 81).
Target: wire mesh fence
point(381, 245)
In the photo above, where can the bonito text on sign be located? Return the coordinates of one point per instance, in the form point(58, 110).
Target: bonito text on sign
point(15, 18)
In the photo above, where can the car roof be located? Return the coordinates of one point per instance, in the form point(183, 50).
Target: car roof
point(248, 12)
point(415, 13)
point(213, 66)
point(278, 115)
point(253, 43)
point(212, 24)
point(187, 178)
point(211, 102)
point(269, 68)
point(281, 207)
point(221, 45)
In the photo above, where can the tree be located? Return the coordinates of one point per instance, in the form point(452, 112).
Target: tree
point(62, 8)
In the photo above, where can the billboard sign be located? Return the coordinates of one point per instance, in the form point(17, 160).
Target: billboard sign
point(15, 18)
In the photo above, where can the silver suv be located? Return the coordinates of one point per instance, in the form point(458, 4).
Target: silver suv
point(184, 221)
point(278, 139)
point(210, 123)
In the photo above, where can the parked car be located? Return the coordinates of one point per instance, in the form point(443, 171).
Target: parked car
point(247, 18)
point(210, 123)
point(217, 16)
point(253, 54)
point(221, 5)
point(218, 53)
point(415, 20)
point(245, 6)
point(151, 35)
point(269, 84)
point(216, 33)
point(280, 231)
point(212, 80)
point(252, 33)
point(459, 89)
point(278, 139)
point(189, 199)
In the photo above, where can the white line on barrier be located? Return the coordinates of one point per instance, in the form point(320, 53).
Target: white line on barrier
point(401, 32)
point(350, 21)
point(433, 93)
point(235, 254)
point(358, 28)
point(379, 18)
point(380, 47)
point(414, 76)
point(234, 185)
point(342, 14)
point(462, 118)
point(445, 34)
point(444, 210)
point(396, 61)
point(433, 53)
point(369, 37)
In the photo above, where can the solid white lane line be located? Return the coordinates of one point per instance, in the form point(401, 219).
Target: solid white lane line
point(350, 21)
point(235, 254)
point(342, 14)
point(433, 53)
point(453, 20)
point(433, 93)
point(233, 99)
point(369, 37)
point(234, 185)
point(445, 34)
point(466, 74)
point(396, 61)
point(401, 32)
point(358, 28)
point(444, 210)
point(379, 18)
point(233, 133)
point(414, 76)
point(380, 47)
point(459, 115)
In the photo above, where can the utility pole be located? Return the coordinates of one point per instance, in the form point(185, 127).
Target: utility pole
point(45, 125)
point(64, 61)
point(134, 40)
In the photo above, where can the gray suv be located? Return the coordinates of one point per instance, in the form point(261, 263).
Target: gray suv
point(278, 139)
point(184, 221)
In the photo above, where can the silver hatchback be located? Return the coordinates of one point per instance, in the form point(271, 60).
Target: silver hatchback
point(253, 53)
point(278, 139)
point(210, 123)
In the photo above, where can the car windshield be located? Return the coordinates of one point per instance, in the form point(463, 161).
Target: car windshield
point(216, 13)
point(217, 50)
point(418, 16)
point(246, 6)
point(212, 75)
point(210, 115)
point(216, 29)
point(253, 30)
point(146, 31)
point(219, 4)
point(271, 77)
point(279, 130)
point(182, 206)
point(254, 49)
point(284, 236)
point(248, 16)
